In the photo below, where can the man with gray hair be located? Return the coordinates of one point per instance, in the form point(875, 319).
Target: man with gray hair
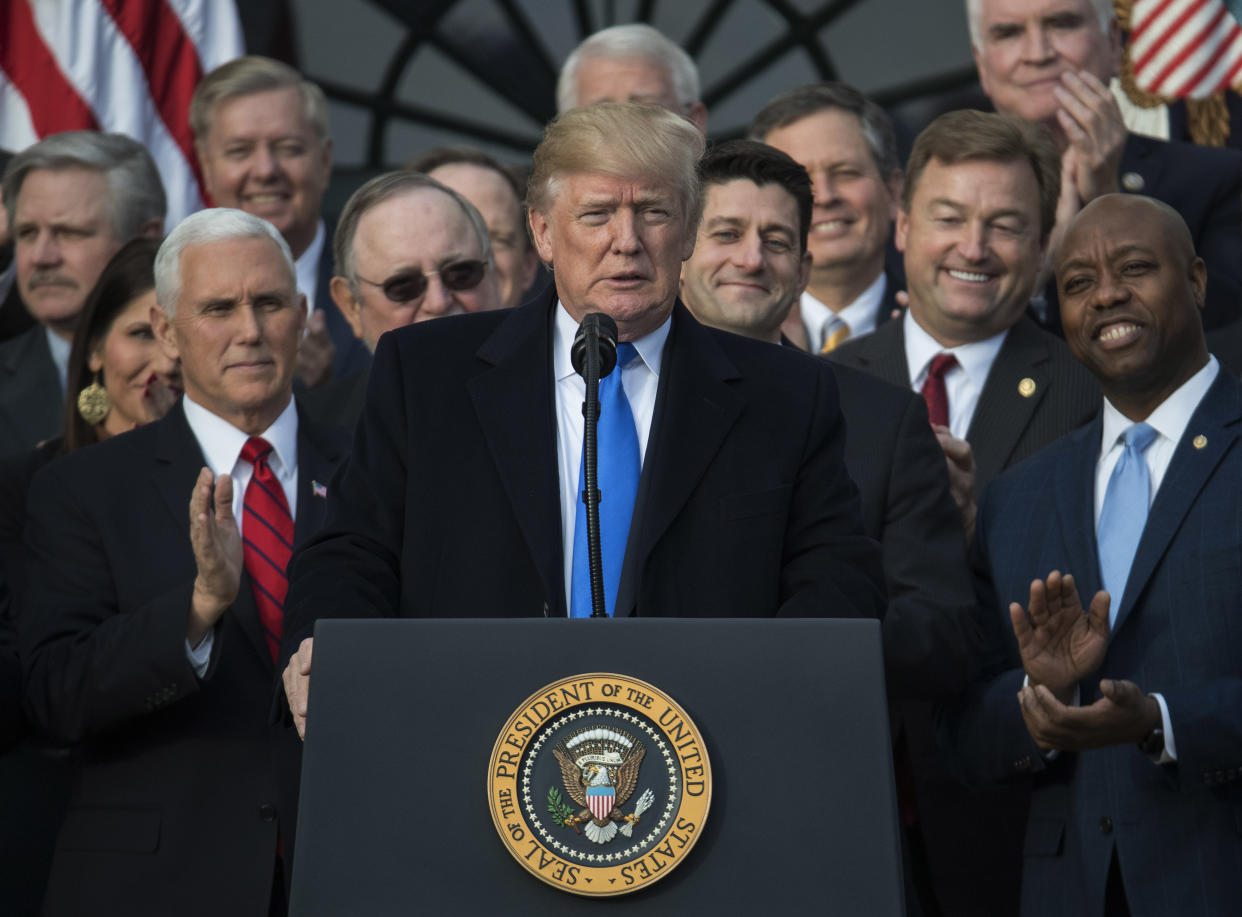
point(262, 139)
point(72, 200)
point(149, 633)
point(847, 145)
point(632, 63)
point(470, 444)
point(1050, 61)
point(408, 249)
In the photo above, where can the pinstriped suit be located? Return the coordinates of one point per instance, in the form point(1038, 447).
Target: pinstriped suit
point(1177, 829)
point(973, 837)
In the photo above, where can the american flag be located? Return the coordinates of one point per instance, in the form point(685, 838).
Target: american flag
point(114, 65)
point(1186, 48)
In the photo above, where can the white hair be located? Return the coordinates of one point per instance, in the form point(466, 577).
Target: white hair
point(974, 12)
point(625, 41)
point(218, 224)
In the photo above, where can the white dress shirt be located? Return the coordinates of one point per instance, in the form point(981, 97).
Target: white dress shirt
point(640, 379)
point(964, 382)
point(861, 315)
point(307, 267)
point(60, 356)
point(221, 444)
point(1169, 420)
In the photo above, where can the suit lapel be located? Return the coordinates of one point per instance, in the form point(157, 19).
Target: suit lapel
point(881, 353)
point(1137, 158)
point(317, 459)
point(515, 403)
point(1074, 493)
point(695, 409)
point(1003, 412)
point(1216, 420)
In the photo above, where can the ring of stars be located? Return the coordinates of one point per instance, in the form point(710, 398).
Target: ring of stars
point(528, 799)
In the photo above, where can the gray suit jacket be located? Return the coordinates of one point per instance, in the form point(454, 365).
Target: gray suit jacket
point(32, 401)
point(1008, 425)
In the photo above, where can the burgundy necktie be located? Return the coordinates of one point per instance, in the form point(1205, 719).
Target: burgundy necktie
point(267, 537)
point(934, 392)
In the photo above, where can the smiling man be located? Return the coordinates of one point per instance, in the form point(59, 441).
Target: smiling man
point(158, 577)
point(978, 205)
point(1125, 719)
point(847, 145)
point(1050, 62)
point(469, 446)
point(261, 136)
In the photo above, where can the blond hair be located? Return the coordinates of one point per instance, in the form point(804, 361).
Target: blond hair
point(623, 139)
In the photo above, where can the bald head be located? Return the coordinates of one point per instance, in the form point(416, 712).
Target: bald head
point(1132, 209)
point(1131, 291)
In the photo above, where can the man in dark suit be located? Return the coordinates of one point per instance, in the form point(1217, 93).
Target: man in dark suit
point(461, 495)
point(1050, 61)
point(749, 265)
point(847, 145)
point(978, 204)
point(1125, 719)
point(262, 140)
point(408, 249)
point(72, 199)
point(148, 632)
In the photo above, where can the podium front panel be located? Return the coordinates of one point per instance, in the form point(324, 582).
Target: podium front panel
point(404, 714)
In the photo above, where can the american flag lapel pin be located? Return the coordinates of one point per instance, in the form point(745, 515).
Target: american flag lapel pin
point(319, 490)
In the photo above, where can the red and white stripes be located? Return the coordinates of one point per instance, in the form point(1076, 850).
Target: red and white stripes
point(1185, 48)
point(116, 65)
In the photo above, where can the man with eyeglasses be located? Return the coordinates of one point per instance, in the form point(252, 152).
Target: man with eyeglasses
point(407, 249)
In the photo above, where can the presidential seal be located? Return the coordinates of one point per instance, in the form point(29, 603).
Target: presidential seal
point(599, 784)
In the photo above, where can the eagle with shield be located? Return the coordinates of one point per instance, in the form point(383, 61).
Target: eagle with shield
point(599, 767)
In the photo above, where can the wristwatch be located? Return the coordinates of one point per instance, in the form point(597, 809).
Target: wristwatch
point(1152, 744)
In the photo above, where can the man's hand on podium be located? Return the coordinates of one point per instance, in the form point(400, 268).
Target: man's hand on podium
point(297, 684)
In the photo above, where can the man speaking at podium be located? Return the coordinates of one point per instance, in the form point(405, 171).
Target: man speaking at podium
point(720, 458)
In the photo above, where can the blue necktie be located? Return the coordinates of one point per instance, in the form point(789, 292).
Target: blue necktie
point(618, 466)
point(1124, 514)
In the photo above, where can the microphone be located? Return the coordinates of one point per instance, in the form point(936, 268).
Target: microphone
point(593, 355)
point(601, 328)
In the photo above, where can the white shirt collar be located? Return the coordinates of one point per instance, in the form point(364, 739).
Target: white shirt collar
point(1171, 417)
point(975, 358)
point(222, 442)
point(862, 315)
point(60, 355)
point(650, 346)
point(307, 267)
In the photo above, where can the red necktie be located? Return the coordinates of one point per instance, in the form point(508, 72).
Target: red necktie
point(934, 392)
point(267, 539)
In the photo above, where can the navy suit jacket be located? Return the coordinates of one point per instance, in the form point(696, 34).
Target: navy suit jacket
point(174, 810)
point(449, 505)
point(1175, 828)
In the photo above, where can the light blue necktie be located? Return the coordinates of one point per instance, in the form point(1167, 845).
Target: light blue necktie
point(619, 464)
point(1124, 514)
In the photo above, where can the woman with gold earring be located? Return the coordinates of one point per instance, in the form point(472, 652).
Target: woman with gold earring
point(118, 378)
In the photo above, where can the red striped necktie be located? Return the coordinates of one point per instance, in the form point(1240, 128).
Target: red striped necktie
point(267, 539)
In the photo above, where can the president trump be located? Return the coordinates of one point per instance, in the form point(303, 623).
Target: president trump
point(720, 458)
